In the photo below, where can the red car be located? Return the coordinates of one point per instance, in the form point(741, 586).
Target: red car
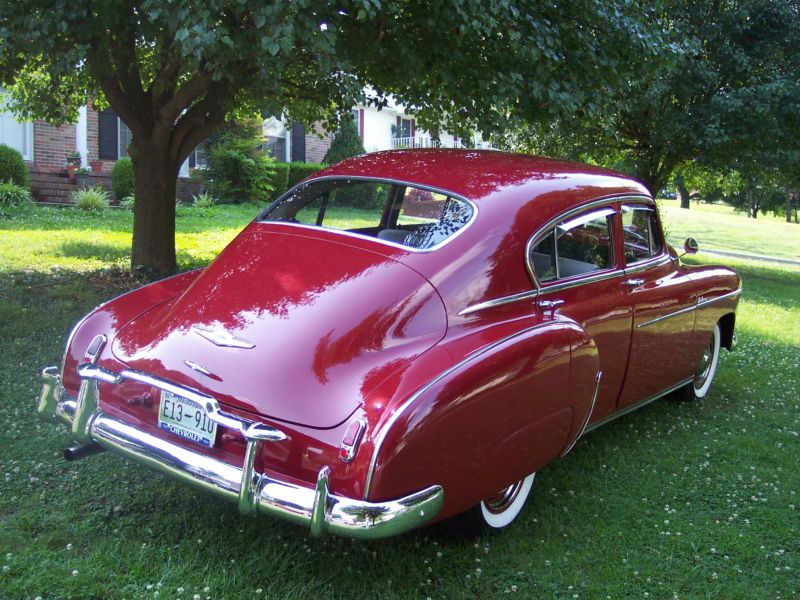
point(405, 337)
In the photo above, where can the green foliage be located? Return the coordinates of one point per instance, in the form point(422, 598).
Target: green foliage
point(122, 178)
point(13, 195)
point(280, 179)
point(176, 70)
point(346, 143)
point(300, 170)
point(12, 167)
point(203, 200)
point(128, 203)
point(91, 199)
point(237, 170)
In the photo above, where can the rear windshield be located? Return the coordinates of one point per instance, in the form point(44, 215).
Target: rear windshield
point(398, 213)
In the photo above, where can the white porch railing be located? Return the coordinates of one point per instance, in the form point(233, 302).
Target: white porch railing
point(427, 142)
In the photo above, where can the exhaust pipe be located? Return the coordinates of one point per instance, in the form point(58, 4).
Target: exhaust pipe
point(82, 451)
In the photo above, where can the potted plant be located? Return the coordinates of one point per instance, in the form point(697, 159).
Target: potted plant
point(83, 177)
point(97, 166)
point(73, 162)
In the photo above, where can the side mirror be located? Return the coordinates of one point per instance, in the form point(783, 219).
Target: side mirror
point(690, 246)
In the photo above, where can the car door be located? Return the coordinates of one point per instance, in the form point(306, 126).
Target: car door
point(580, 276)
point(663, 302)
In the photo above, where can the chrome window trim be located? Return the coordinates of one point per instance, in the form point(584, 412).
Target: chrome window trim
point(384, 431)
point(544, 229)
point(642, 265)
point(701, 302)
point(564, 284)
point(581, 280)
point(361, 236)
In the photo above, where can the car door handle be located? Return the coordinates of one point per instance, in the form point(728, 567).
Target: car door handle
point(634, 282)
point(549, 304)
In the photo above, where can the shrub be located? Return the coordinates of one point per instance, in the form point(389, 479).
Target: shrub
point(280, 179)
point(122, 178)
point(12, 167)
point(203, 200)
point(346, 143)
point(90, 199)
point(13, 195)
point(127, 203)
point(299, 171)
point(237, 170)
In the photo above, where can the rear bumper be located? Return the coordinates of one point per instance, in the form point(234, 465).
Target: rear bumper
point(317, 508)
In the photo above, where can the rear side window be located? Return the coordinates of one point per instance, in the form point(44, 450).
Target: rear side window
point(575, 246)
point(641, 234)
point(393, 212)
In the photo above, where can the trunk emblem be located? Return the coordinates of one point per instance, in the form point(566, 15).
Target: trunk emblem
point(221, 337)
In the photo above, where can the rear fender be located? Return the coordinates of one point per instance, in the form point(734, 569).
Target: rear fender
point(493, 418)
point(110, 316)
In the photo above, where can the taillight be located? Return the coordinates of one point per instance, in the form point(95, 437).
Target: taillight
point(351, 439)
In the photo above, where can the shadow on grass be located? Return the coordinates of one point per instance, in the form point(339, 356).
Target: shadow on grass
point(105, 252)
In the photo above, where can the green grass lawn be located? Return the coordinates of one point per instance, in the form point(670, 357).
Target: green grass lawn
point(687, 500)
point(718, 227)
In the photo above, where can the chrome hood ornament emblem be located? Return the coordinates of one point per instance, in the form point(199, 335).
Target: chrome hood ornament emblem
point(222, 337)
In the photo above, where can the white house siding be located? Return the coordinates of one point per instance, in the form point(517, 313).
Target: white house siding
point(15, 134)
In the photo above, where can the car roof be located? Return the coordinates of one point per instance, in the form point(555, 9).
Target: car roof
point(487, 175)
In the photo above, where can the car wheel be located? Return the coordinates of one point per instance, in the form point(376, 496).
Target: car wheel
point(494, 513)
point(704, 375)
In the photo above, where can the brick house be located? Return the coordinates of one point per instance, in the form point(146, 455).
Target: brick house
point(101, 137)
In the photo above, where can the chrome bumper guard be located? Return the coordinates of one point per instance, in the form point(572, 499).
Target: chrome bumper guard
point(254, 492)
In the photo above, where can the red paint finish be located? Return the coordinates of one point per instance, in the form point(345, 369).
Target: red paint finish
point(348, 327)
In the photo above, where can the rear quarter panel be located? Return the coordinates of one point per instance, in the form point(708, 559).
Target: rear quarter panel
point(489, 420)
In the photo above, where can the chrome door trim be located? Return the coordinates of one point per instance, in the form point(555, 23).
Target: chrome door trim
point(582, 430)
point(637, 405)
point(499, 302)
point(701, 302)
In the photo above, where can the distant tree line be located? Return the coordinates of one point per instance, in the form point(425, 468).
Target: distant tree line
point(721, 117)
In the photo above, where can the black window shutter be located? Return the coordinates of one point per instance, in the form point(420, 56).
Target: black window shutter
point(298, 142)
point(107, 135)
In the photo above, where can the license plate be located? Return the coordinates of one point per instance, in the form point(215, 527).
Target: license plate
point(185, 418)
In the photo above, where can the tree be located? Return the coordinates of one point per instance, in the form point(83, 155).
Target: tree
point(172, 70)
point(729, 100)
point(346, 143)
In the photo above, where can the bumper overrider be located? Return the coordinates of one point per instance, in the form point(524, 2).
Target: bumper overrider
point(318, 508)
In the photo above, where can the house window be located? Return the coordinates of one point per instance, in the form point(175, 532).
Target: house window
point(124, 136)
point(405, 128)
point(275, 146)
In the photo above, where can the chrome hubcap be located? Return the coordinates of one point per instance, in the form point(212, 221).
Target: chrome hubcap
point(503, 499)
point(705, 366)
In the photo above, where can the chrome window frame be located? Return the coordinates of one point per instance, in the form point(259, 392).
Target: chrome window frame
point(437, 190)
point(656, 259)
point(545, 229)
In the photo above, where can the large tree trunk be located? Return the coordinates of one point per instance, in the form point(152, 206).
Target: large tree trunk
point(681, 191)
point(154, 208)
point(752, 207)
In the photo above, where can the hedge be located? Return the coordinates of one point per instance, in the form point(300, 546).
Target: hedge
point(299, 171)
point(280, 179)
